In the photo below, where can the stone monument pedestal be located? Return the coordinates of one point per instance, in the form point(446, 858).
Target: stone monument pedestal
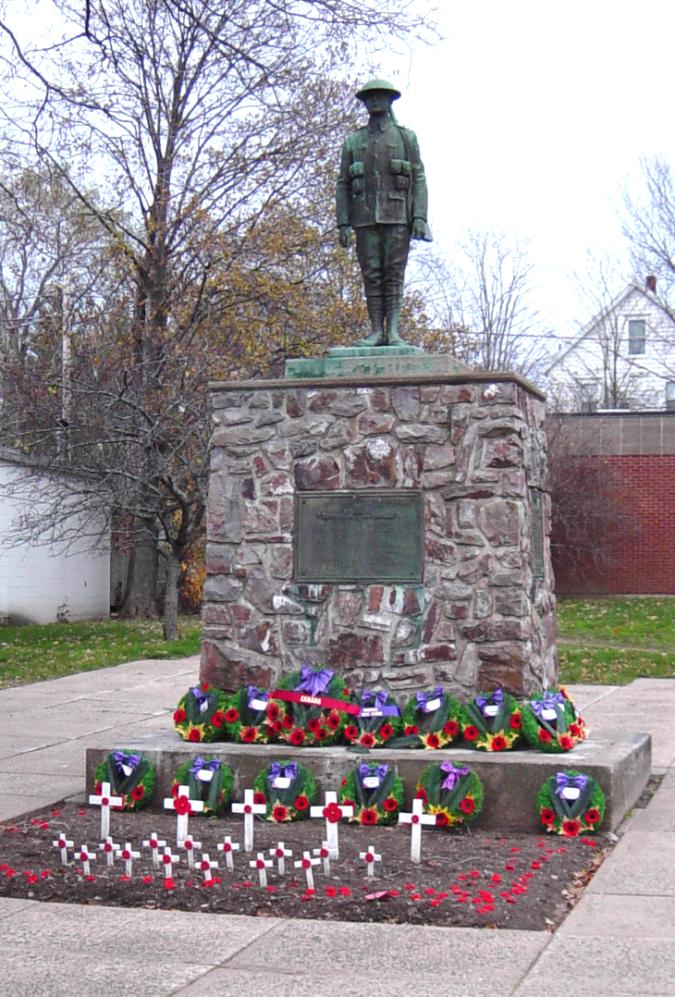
point(385, 516)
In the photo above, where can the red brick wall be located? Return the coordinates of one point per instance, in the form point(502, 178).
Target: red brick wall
point(638, 544)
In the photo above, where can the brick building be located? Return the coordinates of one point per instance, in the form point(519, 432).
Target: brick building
point(614, 502)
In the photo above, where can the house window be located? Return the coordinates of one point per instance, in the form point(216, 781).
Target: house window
point(636, 336)
point(670, 396)
point(588, 395)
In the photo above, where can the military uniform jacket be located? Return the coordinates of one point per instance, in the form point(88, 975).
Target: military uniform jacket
point(381, 177)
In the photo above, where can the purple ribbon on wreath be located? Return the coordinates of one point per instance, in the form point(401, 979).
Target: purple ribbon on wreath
point(314, 682)
point(494, 699)
point(427, 697)
point(453, 774)
point(199, 764)
point(279, 771)
point(549, 702)
point(563, 781)
point(121, 758)
point(376, 702)
point(365, 770)
point(201, 697)
point(253, 692)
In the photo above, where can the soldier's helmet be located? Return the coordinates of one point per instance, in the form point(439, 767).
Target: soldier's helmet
point(381, 85)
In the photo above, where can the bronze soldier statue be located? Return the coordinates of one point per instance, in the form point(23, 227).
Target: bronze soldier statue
point(382, 194)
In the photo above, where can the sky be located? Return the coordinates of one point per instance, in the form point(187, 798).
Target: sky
point(532, 117)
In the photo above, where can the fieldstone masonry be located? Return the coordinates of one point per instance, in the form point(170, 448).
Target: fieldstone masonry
point(484, 613)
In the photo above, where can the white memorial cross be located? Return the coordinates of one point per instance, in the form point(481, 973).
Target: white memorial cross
point(227, 847)
point(333, 813)
point(205, 865)
point(167, 860)
point(416, 819)
point(183, 807)
point(306, 863)
point(105, 801)
point(154, 844)
point(370, 858)
point(281, 854)
point(128, 855)
point(324, 855)
point(189, 845)
point(262, 865)
point(63, 845)
point(109, 848)
point(249, 809)
point(85, 857)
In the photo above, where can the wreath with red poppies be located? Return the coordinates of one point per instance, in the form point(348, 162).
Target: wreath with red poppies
point(571, 803)
point(309, 708)
point(379, 719)
point(578, 726)
point(287, 789)
point(492, 721)
point(454, 793)
point(210, 780)
point(246, 716)
point(131, 776)
point(431, 720)
point(200, 714)
point(374, 791)
point(549, 722)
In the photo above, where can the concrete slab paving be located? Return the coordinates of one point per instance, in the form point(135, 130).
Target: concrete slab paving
point(621, 915)
point(642, 864)
point(603, 967)
point(658, 816)
point(17, 785)
point(12, 808)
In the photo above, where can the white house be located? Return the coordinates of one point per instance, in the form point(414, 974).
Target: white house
point(623, 359)
point(45, 579)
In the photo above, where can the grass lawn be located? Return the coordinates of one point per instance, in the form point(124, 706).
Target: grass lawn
point(614, 641)
point(33, 653)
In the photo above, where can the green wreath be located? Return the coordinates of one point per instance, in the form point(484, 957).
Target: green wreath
point(453, 792)
point(200, 714)
point(379, 720)
point(214, 792)
point(287, 789)
point(246, 716)
point(130, 775)
point(303, 724)
point(561, 811)
point(578, 726)
point(376, 793)
point(549, 723)
point(493, 721)
point(434, 727)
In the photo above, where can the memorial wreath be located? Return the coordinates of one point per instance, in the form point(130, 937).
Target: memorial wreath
point(492, 721)
point(246, 716)
point(131, 777)
point(200, 714)
point(549, 722)
point(287, 789)
point(374, 791)
point(309, 708)
point(378, 720)
point(452, 792)
point(209, 780)
point(571, 803)
point(432, 720)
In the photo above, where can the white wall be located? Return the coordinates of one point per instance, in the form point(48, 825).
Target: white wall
point(39, 581)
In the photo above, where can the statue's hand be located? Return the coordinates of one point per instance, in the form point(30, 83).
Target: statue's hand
point(345, 236)
point(419, 228)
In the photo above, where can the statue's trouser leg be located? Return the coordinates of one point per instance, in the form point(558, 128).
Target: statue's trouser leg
point(395, 244)
point(369, 254)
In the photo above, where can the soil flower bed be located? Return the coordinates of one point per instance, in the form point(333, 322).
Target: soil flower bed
point(467, 877)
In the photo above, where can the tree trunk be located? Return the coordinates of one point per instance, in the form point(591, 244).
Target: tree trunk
point(170, 617)
point(140, 600)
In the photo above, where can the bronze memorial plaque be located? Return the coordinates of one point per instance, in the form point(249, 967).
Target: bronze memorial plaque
point(537, 534)
point(367, 536)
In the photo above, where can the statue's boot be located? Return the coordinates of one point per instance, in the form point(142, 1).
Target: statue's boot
point(376, 315)
point(393, 320)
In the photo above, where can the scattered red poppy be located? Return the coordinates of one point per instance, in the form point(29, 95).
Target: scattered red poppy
point(195, 734)
point(544, 735)
point(571, 828)
point(451, 728)
point(137, 793)
point(297, 737)
point(515, 721)
point(331, 891)
point(471, 733)
point(411, 729)
point(498, 743)
point(147, 880)
point(169, 883)
point(592, 816)
point(179, 716)
point(345, 891)
point(301, 803)
point(368, 816)
point(390, 804)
